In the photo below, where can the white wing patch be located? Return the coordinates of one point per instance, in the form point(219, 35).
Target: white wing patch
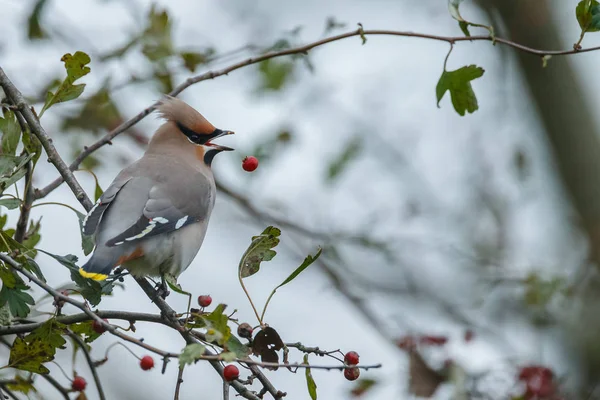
point(151, 225)
point(85, 220)
point(180, 222)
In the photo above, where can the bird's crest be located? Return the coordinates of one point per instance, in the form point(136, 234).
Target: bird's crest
point(178, 111)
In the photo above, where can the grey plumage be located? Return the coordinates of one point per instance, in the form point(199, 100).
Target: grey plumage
point(152, 219)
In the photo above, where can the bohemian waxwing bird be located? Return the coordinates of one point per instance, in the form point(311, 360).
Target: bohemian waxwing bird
point(153, 218)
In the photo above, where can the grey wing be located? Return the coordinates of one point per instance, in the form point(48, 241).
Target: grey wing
point(92, 219)
point(170, 205)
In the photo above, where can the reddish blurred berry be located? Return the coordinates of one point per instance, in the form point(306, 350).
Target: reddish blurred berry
point(406, 342)
point(469, 334)
point(231, 373)
point(147, 362)
point(98, 327)
point(78, 384)
point(351, 358)
point(250, 163)
point(433, 340)
point(204, 300)
point(539, 381)
point(351, 374)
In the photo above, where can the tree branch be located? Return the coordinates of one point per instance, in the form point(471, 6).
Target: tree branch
point(72, 319)
point(34, 124)
point(40, 193)
point(90, 362)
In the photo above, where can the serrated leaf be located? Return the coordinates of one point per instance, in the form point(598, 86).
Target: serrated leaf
point(342, 160)
point(50, 332)
point(191, 353)
point(310, 382)
point(11, 132)
point(87, 241)
point(588, 15)
point(30, 356)
point(76, 67)
point(458, 83)
point(10, 203)
point(8, 277)
point(259, 251)
point(218, 321)
point(34, 27)
point(17, 299)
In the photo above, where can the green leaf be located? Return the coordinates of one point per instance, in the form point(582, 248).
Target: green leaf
point(21, 385)
point(458, 82)
point(90, 289)
point(332, 24)
point(11, 132)
point(588, 15)
point(120, 51)
point(97, 191)
point(87, 242)
point(10, 203)
point(50, 332)
point(172, 282)
point(240, 349)
point(310, 382)
point(464, 27)
point(305, 264)
point(30, 356)
point(274, 74)
point(362, 386)
point(348, 154)
point(85, 329)
point(453, 9)
point(259, 251)
point(34, 30)
point(191, 59)
point(76, 66)
point(33, 267)
point(8, 277)
point(218, 321)
point(17, 300)
point(98, 113)
point(156, 39)
point(32, 145)
point(5, 316)
point(191, 353)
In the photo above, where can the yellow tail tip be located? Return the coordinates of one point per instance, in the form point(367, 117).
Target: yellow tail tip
point(92, 275)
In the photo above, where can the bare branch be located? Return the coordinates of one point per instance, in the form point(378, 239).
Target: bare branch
point(179, 382)
point(296, 50)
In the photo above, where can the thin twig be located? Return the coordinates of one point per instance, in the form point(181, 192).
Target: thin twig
point(225, 390)
point(57, 385)
point(36, 128)
point(267, 385)
point(90, 362)
point(296, 50)
point(179, 382)
point(28, 199)
point(75, 318)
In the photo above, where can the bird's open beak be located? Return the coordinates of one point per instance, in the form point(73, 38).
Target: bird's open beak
point(219, 147)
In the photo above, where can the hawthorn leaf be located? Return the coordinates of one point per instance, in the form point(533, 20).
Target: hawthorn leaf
point(191, 353)
point(274, 74)
point(458, 83)
point(362, 386)
point(240, 349)
point(30, 356)
point(76, 66)
point(305, 264)
point(259, 251)
point(310, 382)
point(172, 282)
point(217, 321)
point(17, 299)
point(85, 329)
point(11, 133)
point(453, 6)
point(21, 385)
point(34, 27)
point(266, 343)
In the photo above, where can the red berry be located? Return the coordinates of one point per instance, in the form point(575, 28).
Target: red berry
point(250, 163)
point(351, 374)
point(147, 363)
point(539, 381)
point(98, 327)
point(351, 358)
point(406, 343)
point(78, 384)
point(204, 300)
point(231, 373)
point(245, 331)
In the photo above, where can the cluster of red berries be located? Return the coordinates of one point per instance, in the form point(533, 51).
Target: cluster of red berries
point(351, 358)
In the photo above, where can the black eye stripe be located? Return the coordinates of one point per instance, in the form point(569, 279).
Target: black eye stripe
point(196, 137)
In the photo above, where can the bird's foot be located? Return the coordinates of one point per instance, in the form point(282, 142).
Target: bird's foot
point(162, 290)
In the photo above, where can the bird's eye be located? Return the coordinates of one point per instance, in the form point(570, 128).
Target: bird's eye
point(195, 138)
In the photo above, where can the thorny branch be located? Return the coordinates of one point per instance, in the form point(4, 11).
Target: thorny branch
point(90, 362)
point(107, 139)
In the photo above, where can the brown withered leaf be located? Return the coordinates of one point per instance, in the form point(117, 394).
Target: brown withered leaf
point(423, 380)
point(266, 343)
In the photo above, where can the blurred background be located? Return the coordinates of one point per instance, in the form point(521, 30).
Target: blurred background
point(474, 236)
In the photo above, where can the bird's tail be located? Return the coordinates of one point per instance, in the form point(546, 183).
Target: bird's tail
point(96, 268)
